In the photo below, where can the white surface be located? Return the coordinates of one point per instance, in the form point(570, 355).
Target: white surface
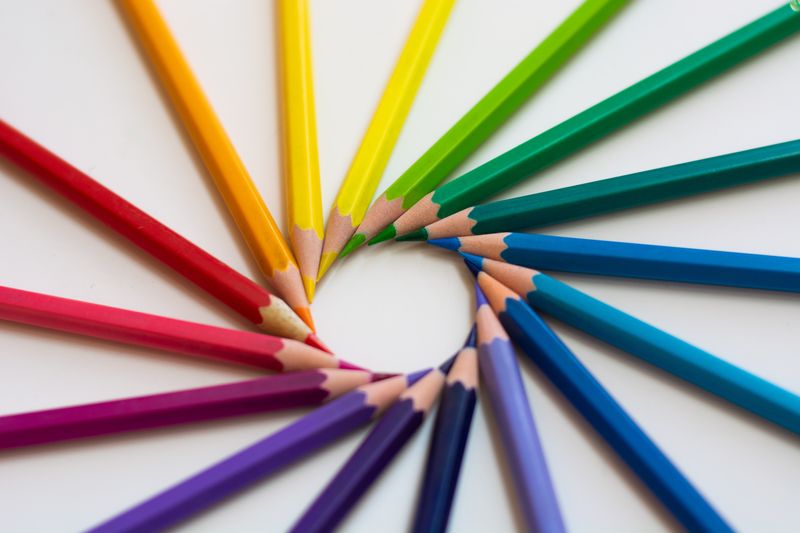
point(73, 79)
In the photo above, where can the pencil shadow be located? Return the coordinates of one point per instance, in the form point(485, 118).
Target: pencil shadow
point(207, 180)
point(600, 447)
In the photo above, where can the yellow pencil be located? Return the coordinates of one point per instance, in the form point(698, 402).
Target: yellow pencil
point(300, 158)
point(368, 165)
point(223, 163)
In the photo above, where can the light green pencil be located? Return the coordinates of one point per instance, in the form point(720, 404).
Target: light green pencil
point(485, 117)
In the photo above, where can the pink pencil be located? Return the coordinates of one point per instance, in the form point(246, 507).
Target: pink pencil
point(169, 334)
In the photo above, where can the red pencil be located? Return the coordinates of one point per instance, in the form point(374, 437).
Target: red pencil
point(169, 334)
point(207, 272)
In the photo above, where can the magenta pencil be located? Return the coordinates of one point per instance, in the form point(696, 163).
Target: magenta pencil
point(169, 334)
point(244, 468)
point(271, 393)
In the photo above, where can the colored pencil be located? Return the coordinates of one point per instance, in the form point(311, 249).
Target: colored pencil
point(177, 336)
point(648, 343)
point(300, 155)
point(613, 194)
point(271, 393)
point(376, 451)
point(511, 408)
point(600, 410)
point(624, 259)
point(252, 464)
point(230, 176)
point(448, 442)
point(600, 120)
point(488, 114)
point(370, 160)
point(239, 293)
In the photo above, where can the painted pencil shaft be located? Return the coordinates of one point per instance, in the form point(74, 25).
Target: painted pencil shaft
point(645, 261)
point(491, 111)
point(649, 343)
point(207, 272)
point(265, 457)
point(386, 439)
point(448, 442)
point(230, 176)
point(162, 333)
point(623, 192)
point(300, 154)
point(369, 162)
point(182, 407)
point(526, 459)
point(601, 411)
point(555, 144)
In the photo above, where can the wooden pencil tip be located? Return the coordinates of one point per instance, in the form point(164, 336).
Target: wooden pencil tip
point(480, 298)
point(496, 293)
point(420, 234)
point(450, 243)
point(325, 262)
point(387, 233)
point(310, 286)
point(353, 244)
point(305, 315)
point(313, 340)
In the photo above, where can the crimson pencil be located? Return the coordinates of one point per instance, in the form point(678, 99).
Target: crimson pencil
point(244, 468)
point(169, 334)
point(196, 265)
point(271, 393)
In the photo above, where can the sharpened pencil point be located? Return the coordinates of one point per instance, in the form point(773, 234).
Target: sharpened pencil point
point(310, 285)
point(313, 340)
point(420, 234)
point(472, 338)
point(325, 262)
point(389, 232)
point(450, 243)
point(353, 244)
point(472, 268)
point(480, 298)
point(413, 377)
point(445, 367)
point(344, 365)
point(473, 259)
point(305, 315)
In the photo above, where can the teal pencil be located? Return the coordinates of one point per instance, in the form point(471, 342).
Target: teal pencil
point(648, 343)
point(598, 121)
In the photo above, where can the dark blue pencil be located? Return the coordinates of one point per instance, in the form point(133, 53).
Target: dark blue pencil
point(648, 343)
point(623, 259)
point(449, 440)
point(383, 443)
point(599, 408)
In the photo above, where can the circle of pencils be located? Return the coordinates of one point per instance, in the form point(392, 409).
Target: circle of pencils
point(510, 291)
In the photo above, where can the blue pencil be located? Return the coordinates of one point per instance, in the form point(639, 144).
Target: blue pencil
point(400, 422)
point(509, 402)
point(599, 408)
point(449, 440)
point(646, 261)
point(648, 343)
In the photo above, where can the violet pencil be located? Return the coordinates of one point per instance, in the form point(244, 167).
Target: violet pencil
point(265, 457)
point(511, 408)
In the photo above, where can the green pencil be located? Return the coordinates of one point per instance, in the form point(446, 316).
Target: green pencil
point(598, 121)
point(485, 117)
point(623, 192)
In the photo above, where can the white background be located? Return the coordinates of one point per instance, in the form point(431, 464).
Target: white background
point(73, 79)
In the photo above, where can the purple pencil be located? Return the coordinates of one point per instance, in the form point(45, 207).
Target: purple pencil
point(269, 393)
point(377, 450)
point(524, 453)
point(263, 458)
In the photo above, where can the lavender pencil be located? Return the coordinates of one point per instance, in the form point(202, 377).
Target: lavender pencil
point(263, 458)
point(503, 383)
